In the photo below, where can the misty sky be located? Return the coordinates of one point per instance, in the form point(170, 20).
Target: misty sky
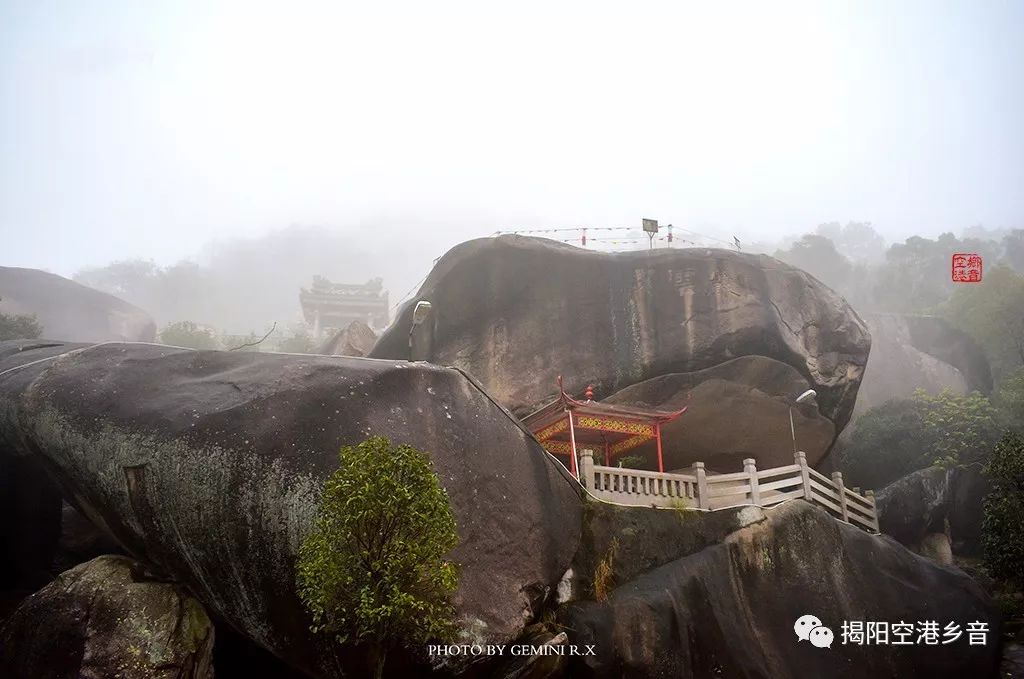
point(148, 129)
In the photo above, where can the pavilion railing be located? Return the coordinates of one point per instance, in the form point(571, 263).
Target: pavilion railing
point(752, 486)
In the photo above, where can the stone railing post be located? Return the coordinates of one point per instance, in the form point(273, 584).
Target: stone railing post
point(805, 475)
point(587, 469)
point(750, 469)
point(837, 479)
point(703, 497)
point(870, 495)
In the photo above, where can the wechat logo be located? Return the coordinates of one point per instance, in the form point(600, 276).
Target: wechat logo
point(809, 628)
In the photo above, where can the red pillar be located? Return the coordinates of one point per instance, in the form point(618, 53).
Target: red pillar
point(607, 461)
point(661, 463)
point(572, 453)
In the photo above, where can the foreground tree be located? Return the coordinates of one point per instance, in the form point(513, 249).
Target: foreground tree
point(1003, 525)
point(373, 571)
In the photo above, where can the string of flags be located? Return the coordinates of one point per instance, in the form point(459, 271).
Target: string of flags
point(650, 226)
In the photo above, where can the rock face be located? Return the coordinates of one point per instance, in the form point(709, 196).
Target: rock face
point(29, 537)
point(517, 312)
point(1013, 662)
point(106, 618)
point(208, 466)
point(80, 541)
point(935, 337)
point(934, 501)
point(355, 340)
point(728, 609)
point(71, 311)
point(752, 394)
point(919, 352)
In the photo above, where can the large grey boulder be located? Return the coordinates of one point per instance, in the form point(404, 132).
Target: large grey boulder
point(208, 465)
point(356, 339)
point(71, 311)
point(728, 608)
point(517, 312)
point(107, 618)
point(934, 501)
point(735, 410)
point(919, 352)
point(936, 337)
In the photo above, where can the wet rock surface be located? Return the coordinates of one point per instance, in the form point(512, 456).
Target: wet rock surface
point(517, 312)
point(736, 410)
point(355, 340)
point(107, 618)
point(729, 609)
point(208, 465)
point(935, 501)
point(1012, 666)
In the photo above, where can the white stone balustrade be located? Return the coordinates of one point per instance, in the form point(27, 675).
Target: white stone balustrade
point(751, 486)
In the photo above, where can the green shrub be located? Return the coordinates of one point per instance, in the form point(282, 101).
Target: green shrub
point(373, 571)
point(964, 429)
point(297, 341)
point(19, 326)
point(190, 335)
point(887, 442)
point(1010, 400)
point(904, 435)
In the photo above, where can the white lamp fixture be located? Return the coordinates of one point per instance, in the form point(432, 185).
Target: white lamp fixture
point(802, 398)
point(419, 314)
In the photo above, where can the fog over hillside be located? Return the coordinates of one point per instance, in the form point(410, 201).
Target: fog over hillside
point(150, 130)
point(247, 284)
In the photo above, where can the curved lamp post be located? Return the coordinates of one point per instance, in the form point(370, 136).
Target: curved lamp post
point(419, 314)
point(802, 398)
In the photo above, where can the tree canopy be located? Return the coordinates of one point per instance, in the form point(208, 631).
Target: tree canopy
point(374, 570)
point(992, 312)
point(1009, 398)
point(904, 435)
point(857, 241)
point(1003, 523)
point(817, 255)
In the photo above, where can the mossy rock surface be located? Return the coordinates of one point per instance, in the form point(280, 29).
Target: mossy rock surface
point(108, 618)
point(726, 606)
point(208, 465)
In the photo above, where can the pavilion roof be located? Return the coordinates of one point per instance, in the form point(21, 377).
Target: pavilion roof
point(566, 423)
point(556, 410)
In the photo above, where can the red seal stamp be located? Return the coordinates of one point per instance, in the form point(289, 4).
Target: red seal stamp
point(966, 268)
